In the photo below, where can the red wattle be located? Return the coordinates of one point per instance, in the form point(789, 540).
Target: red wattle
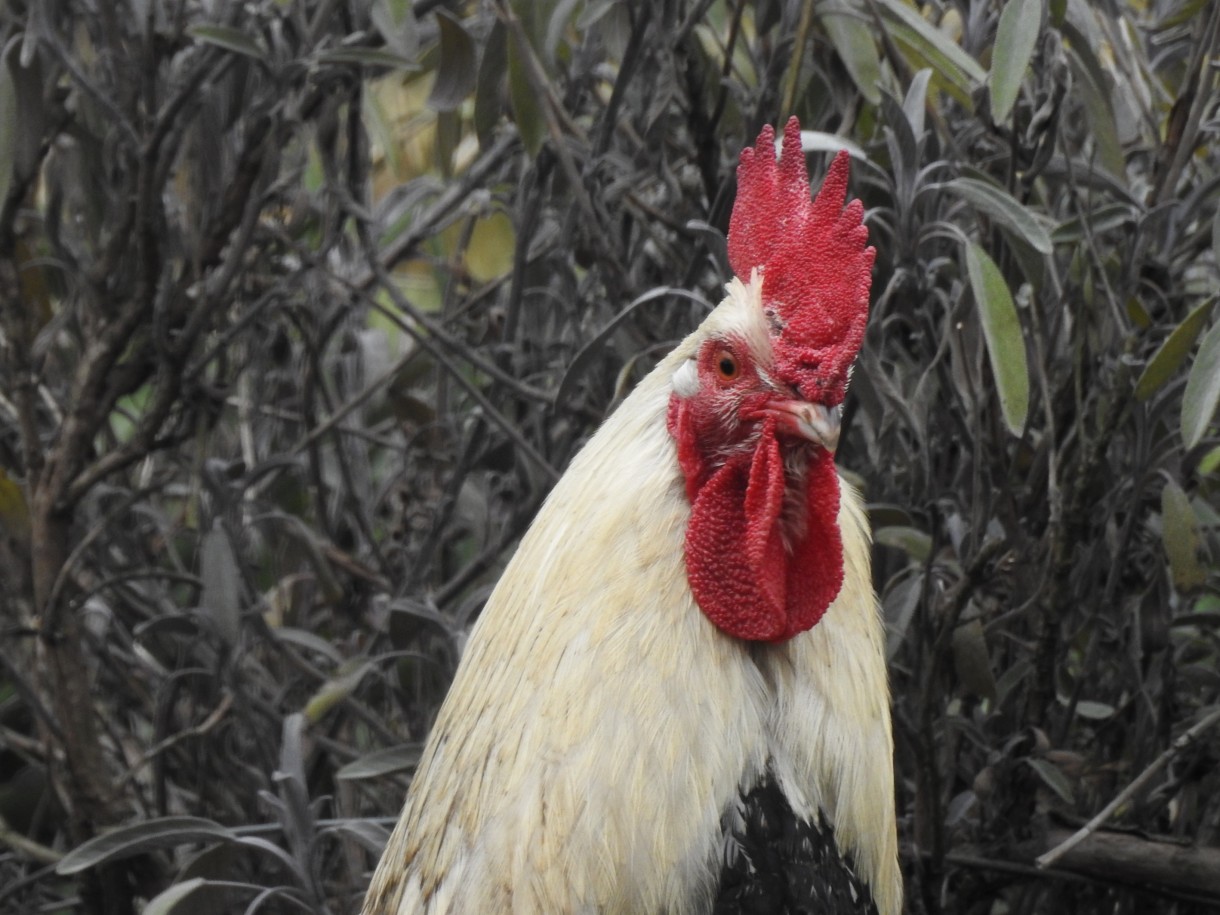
point(741, 574)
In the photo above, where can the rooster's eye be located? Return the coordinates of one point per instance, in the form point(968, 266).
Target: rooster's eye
point(726, 366)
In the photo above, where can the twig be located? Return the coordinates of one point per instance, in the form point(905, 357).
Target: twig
point(1180, 744)
point(26, 846)
point(198, 730)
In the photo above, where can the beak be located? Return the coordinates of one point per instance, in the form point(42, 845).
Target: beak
point(815, 422)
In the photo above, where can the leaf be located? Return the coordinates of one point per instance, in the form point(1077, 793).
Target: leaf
point(853, 41)
point(1001, 206)
point(489, 86)
point(1089, 81)
point(456, 73)
point(395, 21)
point(367, 57)
point(1015, 38)
point(1210, 462)
point(915, 105)
point(959, 73)
point(1094, 711)
point(1173, 352)
point(403, 758)
point(167, 900)
point(899, 603)
point(912, 541)
point(1202, 389)
point(1103, 219)
point(526, 105)
point(972, 660)
point(231, 39)
point(221, 597)
point(9, 128)
point(1215, 233)
point(336, 689)
point(1053, 778)
point(820, 141)
point(1002, 331)
point(14, 513)
point(127, 841)
point(1180, 534)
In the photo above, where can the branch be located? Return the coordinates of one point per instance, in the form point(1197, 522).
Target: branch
point(1182, 742)
point(1124, 858)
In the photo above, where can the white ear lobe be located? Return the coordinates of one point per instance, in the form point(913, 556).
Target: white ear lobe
point(686, 379)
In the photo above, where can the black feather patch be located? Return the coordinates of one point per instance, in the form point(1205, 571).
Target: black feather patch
point(778, 864)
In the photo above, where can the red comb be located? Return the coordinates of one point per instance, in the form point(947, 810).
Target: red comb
point(815, 258)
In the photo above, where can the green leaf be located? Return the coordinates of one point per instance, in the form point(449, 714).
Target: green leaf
point(1001, 206)
point(853, 41)
point(336, 689)
point(1002, 331)
point(1210, 462)
point(957, 71)
point(127, 841)
point(1053, 778)
point(489, 86)
point(373, 58)
point(456, 72)
point(221, 598)
point(900, 603)
point(14, 513)
point(1173, 352)
point(1202, 389)
point(1094, 711)
point(1180, 534)
point(9, 129)
point(1215, 232)
point(1090, 82)
point(912, 541)
point(1103, 219)
point(972, 661)
point(526, 105)
point(402, 758)
point(1015, 38)
point(230, 39)
point(167, 900)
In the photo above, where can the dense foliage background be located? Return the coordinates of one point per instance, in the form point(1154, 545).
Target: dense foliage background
point(305, 304)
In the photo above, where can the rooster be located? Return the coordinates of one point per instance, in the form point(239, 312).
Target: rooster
point(675, 700)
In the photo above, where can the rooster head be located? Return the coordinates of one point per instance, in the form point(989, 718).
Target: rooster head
point(755, 410)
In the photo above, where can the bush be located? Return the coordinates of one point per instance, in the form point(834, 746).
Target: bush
point(305, 305)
